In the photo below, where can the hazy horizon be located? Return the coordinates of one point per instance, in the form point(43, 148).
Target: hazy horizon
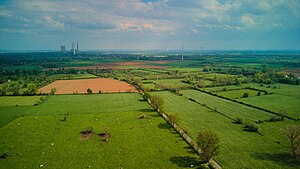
point(150, 25)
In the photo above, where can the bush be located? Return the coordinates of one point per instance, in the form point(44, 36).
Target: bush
point(239, 120)
point(246, 95)
point(258, 121)
point(88, 130)
point(275, 118)
point(89, 91)
point(204, 166)
point(173, 119)
point(251, 127)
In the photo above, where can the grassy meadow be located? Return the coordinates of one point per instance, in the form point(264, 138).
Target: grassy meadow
point(134, 142)
point(239, 148)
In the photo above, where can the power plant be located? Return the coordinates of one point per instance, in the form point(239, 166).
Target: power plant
point(62, 48)
point(73, 50)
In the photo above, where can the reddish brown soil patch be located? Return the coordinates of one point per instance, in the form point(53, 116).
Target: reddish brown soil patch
point(85, 136)
point(143, 116)
point(104, 135)
point(104, 85)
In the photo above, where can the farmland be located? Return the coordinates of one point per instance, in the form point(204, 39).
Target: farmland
point(223, 93)
point(130, 136)
point(240, 149)
point(81, 86)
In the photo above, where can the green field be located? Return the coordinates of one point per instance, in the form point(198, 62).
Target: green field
point(134, 143)
point(221, 88)
point(277, 103)
point(228, 108)
point(236, 94)
point(239, 148)
point(19, 100)
point(167, 82)
point(72, 76)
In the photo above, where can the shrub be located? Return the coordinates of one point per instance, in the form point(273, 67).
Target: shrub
point(173, 119)
point(4, 155)
point(251, 127)
point(246, 95)
point(239, 120)
point(258, 121)
point(204, 166)
point(89, 91)
point(275, 118)
point(88, 130)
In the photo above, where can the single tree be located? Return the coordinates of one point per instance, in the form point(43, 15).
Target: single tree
point(157, 102)
point(173, 119)
point(208, 142)
point(200, 84)
point(32, 89)
point(292, 132)
point(89, 91)
point(53, 91)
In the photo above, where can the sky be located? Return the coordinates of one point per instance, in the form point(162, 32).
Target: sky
point(150, 24)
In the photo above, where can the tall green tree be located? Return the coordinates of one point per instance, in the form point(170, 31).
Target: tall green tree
point(208, 142)
point(32, 89)
point(292, 132)
point(157, 102)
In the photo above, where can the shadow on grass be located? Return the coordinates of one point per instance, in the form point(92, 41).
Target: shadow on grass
point(282, 159)
point(164, 126)
point(141, 100)
point(189, 149)
point(146, 110)
point(250, 131)
point(185, 161)
point(155, 115)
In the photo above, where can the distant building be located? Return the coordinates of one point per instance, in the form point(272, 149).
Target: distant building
point(63, 49)
point(73, 50)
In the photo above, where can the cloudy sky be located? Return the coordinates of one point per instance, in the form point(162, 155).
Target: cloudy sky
point(150, 24)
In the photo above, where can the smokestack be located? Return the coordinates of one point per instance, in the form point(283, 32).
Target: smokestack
point(77, 47)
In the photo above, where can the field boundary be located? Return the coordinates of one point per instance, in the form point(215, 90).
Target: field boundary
point(215, 110)
point(243, 103)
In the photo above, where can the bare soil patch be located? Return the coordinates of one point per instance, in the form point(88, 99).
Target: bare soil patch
point(85, 136)
point(104, 136)
point(104, 85)
point(4, 156)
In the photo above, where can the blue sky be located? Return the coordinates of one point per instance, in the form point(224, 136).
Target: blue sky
point(150, 24)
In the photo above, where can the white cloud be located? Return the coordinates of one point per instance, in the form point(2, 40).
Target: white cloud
point(160, 19)
point(247, 21)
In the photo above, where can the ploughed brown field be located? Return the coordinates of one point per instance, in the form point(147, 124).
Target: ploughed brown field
point(104, 85)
